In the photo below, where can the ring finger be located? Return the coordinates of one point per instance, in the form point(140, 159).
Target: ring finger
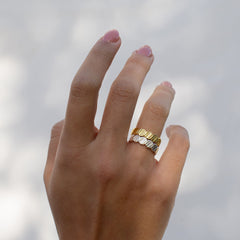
point(153, 117)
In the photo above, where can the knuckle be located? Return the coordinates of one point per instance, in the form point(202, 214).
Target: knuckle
point(167, 197)
point(162, 194)
point(78, 91)
point(106, 173)
point(158, 110)
point(103, 52)
point(167, 90)
point(122, 91)
point(70, 152)
point(82, 86)
point(106, 170)
point(134, 62)
point(70, 160)
point(68, 166)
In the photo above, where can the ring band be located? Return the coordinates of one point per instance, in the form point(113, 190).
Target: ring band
point(147, 134)
point(144, 141)
point(147, 138)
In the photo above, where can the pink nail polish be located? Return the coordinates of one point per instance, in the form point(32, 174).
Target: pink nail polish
point(145, 51)
point(111, 36)
point(167, 84)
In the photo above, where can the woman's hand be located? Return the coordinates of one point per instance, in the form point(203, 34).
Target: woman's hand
point(99, 185)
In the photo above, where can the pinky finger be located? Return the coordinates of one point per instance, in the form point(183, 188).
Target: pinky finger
point(171, 164)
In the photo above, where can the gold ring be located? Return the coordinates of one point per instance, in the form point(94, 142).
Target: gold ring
point(147, 134)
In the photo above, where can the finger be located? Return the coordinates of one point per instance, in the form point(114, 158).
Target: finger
point(154, 116)
point(170, 166)
point(123, 96)
point(52, 149)
point(82, 103)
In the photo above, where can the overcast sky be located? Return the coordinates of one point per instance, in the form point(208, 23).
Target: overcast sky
point(196, 48)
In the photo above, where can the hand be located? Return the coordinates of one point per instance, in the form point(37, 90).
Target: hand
point(99, 185)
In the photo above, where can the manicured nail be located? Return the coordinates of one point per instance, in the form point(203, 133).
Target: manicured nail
point(111, 36)
point(167, 84)
point(145, 51)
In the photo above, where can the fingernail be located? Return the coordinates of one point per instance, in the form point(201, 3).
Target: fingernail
point(167, 84)
point(145, 51)
point(111, 36)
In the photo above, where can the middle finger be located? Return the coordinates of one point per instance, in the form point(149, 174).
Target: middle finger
point(123, 96)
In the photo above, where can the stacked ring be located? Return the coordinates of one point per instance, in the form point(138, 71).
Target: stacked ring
point(146, 138)
point(147, 134)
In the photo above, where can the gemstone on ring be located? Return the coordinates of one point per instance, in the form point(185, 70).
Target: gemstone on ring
point(142, 140)
point(136, 138)
point(142, 132)
point(149, 144)
point(149, 135)
point(154, 138)
point(154, 147)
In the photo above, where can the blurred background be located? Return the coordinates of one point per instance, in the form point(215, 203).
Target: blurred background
point(196, 48)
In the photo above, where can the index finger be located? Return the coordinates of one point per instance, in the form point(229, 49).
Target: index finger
point(79, 121)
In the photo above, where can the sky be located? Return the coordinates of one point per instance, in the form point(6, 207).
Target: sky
point(196, 47)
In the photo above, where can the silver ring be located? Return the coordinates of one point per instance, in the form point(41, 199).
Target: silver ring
point(144, 141)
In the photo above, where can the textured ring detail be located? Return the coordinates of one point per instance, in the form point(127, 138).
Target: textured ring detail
point(144, 141)
point(147, 134)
